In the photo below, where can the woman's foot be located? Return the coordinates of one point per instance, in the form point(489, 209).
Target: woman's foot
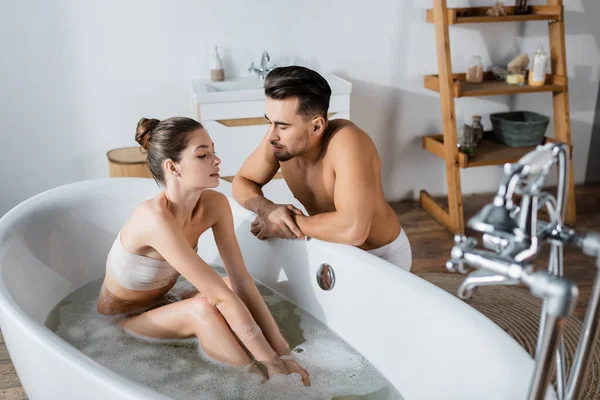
point(255, 369)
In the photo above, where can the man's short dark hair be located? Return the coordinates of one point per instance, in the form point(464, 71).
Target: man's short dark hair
point(311, 89)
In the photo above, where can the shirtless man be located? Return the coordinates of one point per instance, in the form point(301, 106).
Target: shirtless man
point(331, 166)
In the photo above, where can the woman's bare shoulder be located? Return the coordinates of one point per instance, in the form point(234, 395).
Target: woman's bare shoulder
point(213, 206)
point(154, 208)
point(147, 217)
point(214, 196)
point(214, 201)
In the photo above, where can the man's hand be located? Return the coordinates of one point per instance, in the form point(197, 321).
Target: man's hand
point(277, 220)
point(259, 230)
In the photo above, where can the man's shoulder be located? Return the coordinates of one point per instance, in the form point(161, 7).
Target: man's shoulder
point(346, 134)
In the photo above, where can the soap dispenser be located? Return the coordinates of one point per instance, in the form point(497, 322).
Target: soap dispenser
point(216, 71)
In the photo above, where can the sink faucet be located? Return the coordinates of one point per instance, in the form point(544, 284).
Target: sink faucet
point(266, 66)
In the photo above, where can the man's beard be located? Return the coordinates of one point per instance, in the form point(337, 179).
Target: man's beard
point(284, 157)
point(284, 154)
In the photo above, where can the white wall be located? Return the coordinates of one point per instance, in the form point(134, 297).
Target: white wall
point(76, 76)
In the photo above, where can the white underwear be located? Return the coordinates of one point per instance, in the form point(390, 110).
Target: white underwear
point(137, 272)
point(397, 252)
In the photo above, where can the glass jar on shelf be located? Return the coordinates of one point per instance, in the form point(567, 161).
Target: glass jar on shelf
point(466, 140)
point(475, 70)
point(516, 76)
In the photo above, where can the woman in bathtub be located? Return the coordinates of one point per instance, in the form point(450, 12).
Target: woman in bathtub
point(158, 243)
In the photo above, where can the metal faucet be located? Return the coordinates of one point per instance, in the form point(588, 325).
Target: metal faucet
point(266, 66)
point(513, 237)
point(560, 294)
point(482, 278)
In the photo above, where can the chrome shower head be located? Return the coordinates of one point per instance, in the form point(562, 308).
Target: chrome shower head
point(496, 220)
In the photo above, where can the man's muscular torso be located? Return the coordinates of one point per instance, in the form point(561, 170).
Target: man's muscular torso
point(313, 185)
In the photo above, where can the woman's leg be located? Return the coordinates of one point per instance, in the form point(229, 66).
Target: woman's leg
point(193, 316)
point(194, 292)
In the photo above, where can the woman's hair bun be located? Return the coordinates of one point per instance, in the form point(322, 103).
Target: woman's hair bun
point(144, 128)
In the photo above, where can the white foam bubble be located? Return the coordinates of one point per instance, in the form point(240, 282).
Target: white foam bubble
point(180, 369)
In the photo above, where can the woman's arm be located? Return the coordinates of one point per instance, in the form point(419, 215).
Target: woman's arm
point(241, 281)
point(166, 237)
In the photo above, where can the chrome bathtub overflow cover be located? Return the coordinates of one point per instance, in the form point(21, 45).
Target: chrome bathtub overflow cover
point(325, 277)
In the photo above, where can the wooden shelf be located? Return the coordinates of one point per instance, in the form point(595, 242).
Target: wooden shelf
point(493, 87)
point(473, 15)
point(451, 86)
point(488, 152)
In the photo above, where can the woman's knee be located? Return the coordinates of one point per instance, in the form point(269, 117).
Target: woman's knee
point(197, 293)
point(200, 308)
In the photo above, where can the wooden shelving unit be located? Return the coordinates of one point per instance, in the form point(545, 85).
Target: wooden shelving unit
point(489, 151)
point(450, 86)
point(475, 15)
point(493, 87)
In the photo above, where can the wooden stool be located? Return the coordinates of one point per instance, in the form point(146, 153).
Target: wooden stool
point(128, 162)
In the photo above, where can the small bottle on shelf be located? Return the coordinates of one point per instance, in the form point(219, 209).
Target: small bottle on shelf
point(477, 127)
point(537, 75)
point(475, 71)
point(521, 7)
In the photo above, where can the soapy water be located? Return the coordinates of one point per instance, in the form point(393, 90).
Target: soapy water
point(179, 368)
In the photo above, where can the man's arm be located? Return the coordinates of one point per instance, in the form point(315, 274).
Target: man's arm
point(257, 171)
point(353, 156)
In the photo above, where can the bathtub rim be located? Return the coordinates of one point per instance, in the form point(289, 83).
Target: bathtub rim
point(9, 309)
point(56, 346)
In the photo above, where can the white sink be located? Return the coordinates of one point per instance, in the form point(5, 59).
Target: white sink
point(235, 85)
point(249, 88)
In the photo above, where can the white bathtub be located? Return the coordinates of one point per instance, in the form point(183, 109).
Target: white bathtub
point(427, 343)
